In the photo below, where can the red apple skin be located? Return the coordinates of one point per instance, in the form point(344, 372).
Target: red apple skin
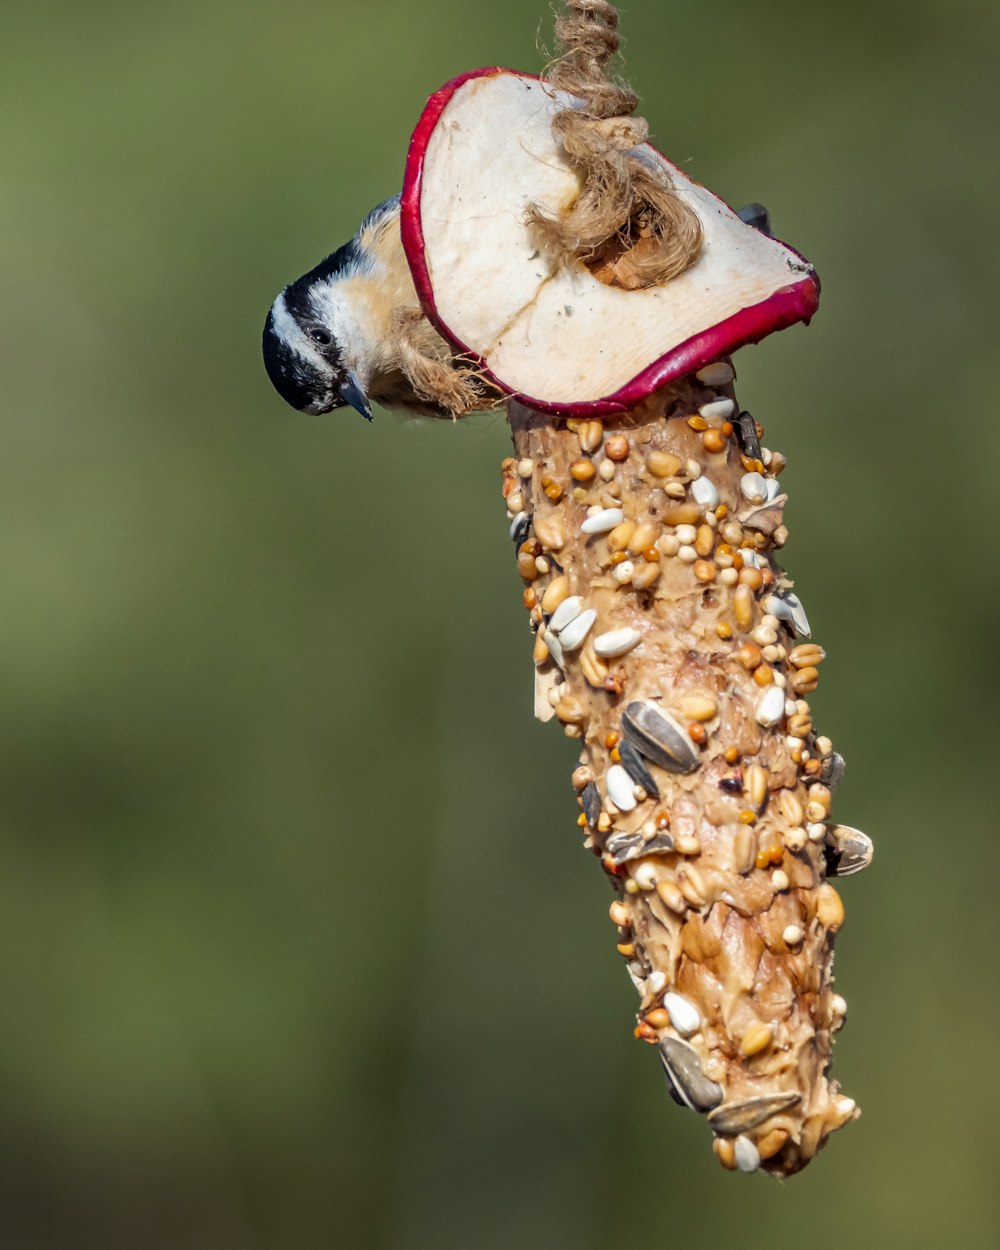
point(784, 307)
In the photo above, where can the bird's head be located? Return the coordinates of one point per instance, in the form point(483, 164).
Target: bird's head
point(308, 338)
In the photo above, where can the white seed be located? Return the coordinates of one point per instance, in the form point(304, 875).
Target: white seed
point(668, 544)
point(555, 649)
point(746, 1154)
point(645, 876)
point(541, 564)
point(800, 621)
point(704, 493)
point(751, 558)
point(792, 935)
point(602, 521)
point(838, 1005)
point(717, 374)
point(686, 533)
point(795, 838)
point(779, 879)
point(816, 832)
point(754, 487)
point(764, 635)
point(776, 607)
point(717, 408)
point(620, 787)
point(517, 522)
point(773, 489)
point(683, 1014)
point(693, 470)
point(572, 635)
point(687, 554)
point(515, 502)
point(606, 470)
point(771, 707)
point(525, 467)
point(622, 573)
point(567, 611)
point(657, 981)
point(616, 641)
point(846, 1106)
point(729, 577)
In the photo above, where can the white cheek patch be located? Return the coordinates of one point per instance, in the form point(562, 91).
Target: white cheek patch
point(335, 310)
point(300, 343)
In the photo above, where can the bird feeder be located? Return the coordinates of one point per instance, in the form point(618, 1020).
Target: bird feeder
point(603, 293)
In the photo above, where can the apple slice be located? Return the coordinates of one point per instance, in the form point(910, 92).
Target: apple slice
point(562, 340)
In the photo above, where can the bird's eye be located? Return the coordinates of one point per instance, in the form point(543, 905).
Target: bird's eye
point(319, 335)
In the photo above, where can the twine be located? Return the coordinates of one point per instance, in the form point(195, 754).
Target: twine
point(448, 382)
point(628, 222)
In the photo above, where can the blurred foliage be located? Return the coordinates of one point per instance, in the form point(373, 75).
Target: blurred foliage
point(300, 947)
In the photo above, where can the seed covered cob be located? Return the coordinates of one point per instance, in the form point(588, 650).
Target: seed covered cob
point(669, 642)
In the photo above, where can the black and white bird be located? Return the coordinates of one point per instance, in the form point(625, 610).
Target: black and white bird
point(331, 338)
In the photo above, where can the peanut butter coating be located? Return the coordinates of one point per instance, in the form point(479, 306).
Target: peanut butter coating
point(665, 641)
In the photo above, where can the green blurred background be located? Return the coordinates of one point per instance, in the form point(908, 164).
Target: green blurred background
point(300, 949)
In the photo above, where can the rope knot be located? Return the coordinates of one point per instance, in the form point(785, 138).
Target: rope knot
point(628, 224)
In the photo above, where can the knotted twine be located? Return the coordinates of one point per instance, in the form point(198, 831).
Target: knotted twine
point(628, 223)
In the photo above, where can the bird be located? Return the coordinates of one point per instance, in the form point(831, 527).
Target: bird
point(335, 337)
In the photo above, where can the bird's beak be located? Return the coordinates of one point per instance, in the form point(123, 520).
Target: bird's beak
point(353, 393)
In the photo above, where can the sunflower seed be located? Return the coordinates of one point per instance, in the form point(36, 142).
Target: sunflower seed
point(567, 611)
point(634, 765)
point(777, 607)
point(672, 1088)
point(625, 846)
point(800, 622)
point(771, 707)
point(683, 1014)
point(520, 528)
point(848, 851)
point(746, 1154)
point(591, 799)
point(717, 408)
point(555, 648)
point(753, 487)
point(616, 641)
point(740, 1117)
point(603, 521)
point(620, 786)
point(832, 771)
point(704, 492)
point(717, 374)
point(746, 436)
point(659, 737)
point(572, 635)
point(687, 1076)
